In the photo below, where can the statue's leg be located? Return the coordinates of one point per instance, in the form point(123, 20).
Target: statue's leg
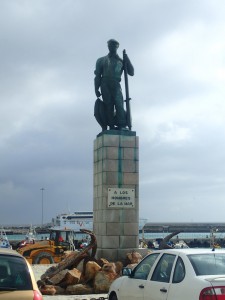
point(120, 112)
point(109, 105)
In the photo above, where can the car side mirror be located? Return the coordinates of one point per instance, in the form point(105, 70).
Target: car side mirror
point(126, 271)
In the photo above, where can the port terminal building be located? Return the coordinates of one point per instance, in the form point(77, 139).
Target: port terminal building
point(194, 234)
point(168, 227)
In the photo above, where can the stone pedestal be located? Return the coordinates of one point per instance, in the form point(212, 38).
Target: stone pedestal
point(116, 166)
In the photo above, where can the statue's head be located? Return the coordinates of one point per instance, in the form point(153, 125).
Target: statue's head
point(113, 45)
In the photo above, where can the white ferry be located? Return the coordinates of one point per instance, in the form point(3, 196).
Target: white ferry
point(75, 221)
point(81, 220)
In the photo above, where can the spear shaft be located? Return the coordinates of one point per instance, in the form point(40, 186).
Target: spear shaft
point(128, 111)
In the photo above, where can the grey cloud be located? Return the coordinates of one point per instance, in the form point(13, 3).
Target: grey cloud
point(48, 54)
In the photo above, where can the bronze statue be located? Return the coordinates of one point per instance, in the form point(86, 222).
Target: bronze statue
point(110, 112)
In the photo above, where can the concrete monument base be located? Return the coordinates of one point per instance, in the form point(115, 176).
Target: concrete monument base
point(116, 193)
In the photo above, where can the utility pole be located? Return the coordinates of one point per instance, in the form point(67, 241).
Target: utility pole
point(42, 206)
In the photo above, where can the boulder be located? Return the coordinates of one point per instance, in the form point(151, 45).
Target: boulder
point(90, 270)
point(104, 278)
point(131, 266)
point(119, 266)
point(72, 277)
point(48, 290)
point(80, 266)
point(79, 289)
point(59, 277)
point(102, 261)
point(134, 257)
point(68, 253)
point(59, 290)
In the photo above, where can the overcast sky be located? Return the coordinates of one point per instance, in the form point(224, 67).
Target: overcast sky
point(48, 53)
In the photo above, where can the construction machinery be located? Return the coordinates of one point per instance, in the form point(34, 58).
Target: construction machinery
point(51, 250)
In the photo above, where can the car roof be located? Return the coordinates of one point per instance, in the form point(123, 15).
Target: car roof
point(187, 251)
point(9, 252)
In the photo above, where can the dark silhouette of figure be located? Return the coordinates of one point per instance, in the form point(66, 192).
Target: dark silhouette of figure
point(108, 73)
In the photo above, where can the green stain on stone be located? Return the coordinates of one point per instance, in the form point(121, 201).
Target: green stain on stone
point(120, 159)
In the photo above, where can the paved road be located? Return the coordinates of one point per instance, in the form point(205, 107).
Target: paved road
point(74, 297)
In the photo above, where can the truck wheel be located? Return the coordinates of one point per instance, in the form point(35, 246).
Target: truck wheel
point(43, 258)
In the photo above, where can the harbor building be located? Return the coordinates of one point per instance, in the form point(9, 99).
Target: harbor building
point(195, 234)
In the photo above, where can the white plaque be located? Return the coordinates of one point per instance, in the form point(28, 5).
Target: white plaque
point(121, 198)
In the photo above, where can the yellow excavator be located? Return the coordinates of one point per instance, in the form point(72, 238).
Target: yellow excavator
point(50, 250)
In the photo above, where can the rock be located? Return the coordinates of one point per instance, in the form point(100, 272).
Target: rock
point(50, 270)
point(134, 257)
point(72, 277)
point(48, 290)
point(72, 260)
point(80, 266)
point(59, 290)
point(104, 278)
point(69, 253)
point(59, 277)
point(131, 266)
point(119, 266)
point(90, 271)
point(102, 261)
point(79, 289)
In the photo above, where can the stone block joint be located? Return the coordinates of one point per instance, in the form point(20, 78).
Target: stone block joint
point(116, 167)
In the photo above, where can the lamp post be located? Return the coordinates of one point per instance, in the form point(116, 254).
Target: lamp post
point(42, 204)
point(213, 236)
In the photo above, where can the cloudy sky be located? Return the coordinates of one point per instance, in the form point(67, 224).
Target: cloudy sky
point(48, 53)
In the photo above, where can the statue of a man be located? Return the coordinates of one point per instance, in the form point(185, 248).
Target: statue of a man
point(108, 73)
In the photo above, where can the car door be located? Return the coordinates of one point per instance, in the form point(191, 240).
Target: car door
point(133, 287)
point(157, 287)
point(179, 289)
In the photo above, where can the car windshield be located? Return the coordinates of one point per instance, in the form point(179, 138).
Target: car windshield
point(14, 273)
point(208, 264)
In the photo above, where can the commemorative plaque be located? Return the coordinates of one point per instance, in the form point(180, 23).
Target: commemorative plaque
point(121, 198)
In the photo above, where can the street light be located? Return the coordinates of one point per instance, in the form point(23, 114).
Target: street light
point(42, 202)
point(212, 236)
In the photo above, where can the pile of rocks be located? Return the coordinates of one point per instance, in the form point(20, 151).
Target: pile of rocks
point(88, 277)
point(79, 273)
